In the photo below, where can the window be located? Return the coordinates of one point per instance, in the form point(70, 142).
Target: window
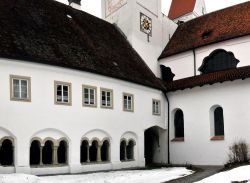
point(156, 107)
point(217, 123)
point(20, 88)
point(89, 96)
point(179, 124)
point(62, 93)
point(128, 102)
point(106, 98)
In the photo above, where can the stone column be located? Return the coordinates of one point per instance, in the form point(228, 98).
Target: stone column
point(88, 160)
point(99, 159)
point(41, 155)
point(54, 155)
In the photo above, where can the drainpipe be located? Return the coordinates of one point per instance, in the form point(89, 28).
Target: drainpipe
point(194, 62)
point(165, 94)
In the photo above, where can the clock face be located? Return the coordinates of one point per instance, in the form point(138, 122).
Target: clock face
point(146, 24)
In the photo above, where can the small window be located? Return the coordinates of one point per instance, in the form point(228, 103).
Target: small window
point(62, 93)
point(179, 124)
point(89, 96)
point(20, 88)
point(156, 107)
point(106, 98)
point(128, 102)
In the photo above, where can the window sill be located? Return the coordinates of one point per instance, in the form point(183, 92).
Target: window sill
point(217, 138)
point(179, 139)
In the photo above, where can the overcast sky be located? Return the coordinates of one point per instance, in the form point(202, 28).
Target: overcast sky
point(94, 6)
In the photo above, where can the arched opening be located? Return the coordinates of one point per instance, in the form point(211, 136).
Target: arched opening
point(48, 153)
point(151, 145)
point(93, 151)
point(130, 150)
point(218, 122)
point(62, 152)
point(105, 151)
point(123, 150)
point(179, 124)
point(6, 153)
point(35, 152)
point(84, 151)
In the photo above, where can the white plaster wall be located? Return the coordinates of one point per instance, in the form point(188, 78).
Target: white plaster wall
point(199, 7)
point(195, 103)
point(38, 118)
point(127, 18)
point(182, 64)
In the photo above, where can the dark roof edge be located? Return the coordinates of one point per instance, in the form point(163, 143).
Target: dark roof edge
point(208, 79)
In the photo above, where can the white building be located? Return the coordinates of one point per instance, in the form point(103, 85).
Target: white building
point(77, 95)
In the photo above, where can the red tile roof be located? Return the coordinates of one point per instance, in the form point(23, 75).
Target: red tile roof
point(211, 78)
point(180, 7)
point(211, 28)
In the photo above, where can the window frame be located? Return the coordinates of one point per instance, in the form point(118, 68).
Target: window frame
point(111, 98)
point(56, 83)
point(17, 77)
point(132, 102)
point(89, 87)
point(159, 107)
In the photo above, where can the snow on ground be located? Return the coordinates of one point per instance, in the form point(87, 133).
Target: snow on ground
point(131, 176)
point(237, 174)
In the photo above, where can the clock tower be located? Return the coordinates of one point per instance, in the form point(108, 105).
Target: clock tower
point(143, 25)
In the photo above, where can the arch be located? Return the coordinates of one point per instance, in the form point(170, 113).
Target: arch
point(130, 150)
point(123, 144)
point(93, 151)
point(55, 143)
point(62, 152)
point(35, 152)
point(36, 139)
point(97, 134)
point(84, 151)
point(105, 150)
point(129, 135)
point(217, 120)
point(152, 147)
point(47, 152)
point(7, 152)
point(51, 134)
point(179, 123)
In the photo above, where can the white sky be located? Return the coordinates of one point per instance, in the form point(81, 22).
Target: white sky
point(94, 6)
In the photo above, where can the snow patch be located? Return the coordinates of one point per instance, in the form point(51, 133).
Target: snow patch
point(135, 176)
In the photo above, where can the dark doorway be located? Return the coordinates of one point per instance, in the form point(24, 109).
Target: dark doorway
point(35, 152)
point(93, 151)
point(130, 150)
point(47, 152)
point(6, 153)
point(84, 151)
point(105, 151)
point(123, 150)
point(62, 152)
point(151, 144)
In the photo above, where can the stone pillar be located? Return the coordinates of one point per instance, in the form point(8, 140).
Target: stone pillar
point(54, 155)
point(99, 159)
point(41, 155)
point(88, 160)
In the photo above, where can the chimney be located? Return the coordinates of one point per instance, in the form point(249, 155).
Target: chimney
point(75, 4)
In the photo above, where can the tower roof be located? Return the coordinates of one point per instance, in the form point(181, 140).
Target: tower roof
point(181, 7)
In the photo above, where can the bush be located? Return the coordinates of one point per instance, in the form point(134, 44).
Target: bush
point(239, 153)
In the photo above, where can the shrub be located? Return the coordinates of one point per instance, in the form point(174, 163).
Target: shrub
point(239, 153)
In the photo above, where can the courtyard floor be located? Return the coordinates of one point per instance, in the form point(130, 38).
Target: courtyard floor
point(130, 176)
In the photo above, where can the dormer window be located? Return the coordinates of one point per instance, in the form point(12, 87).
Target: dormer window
point(206, 34)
